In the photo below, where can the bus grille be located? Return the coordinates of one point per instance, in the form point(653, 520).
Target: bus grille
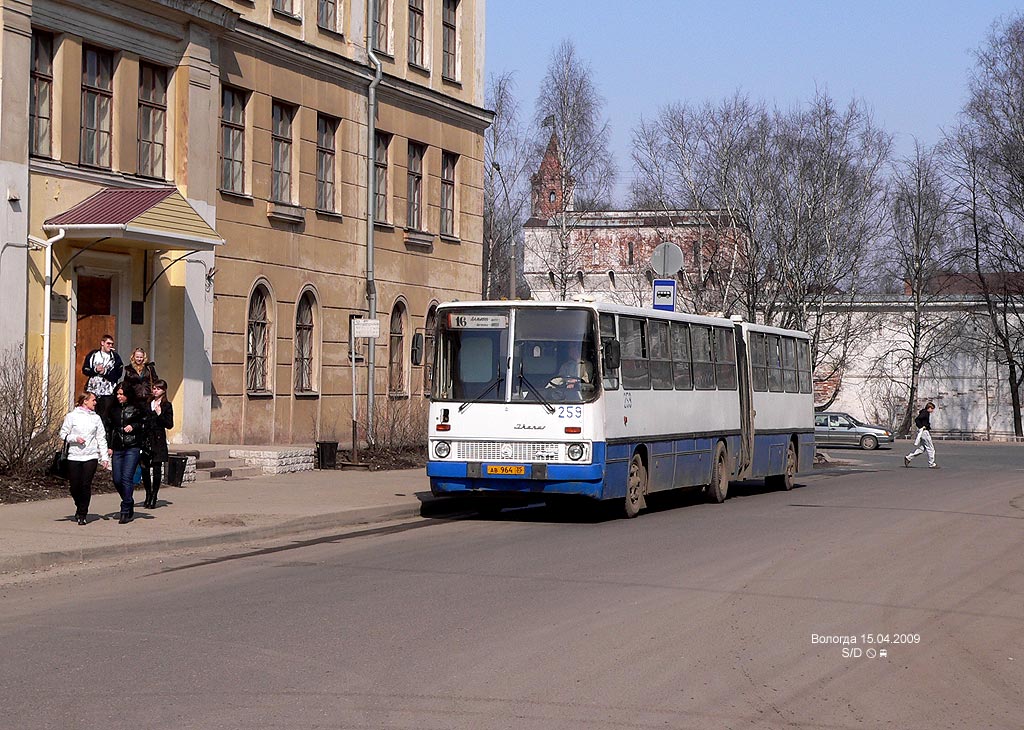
point(506, 451)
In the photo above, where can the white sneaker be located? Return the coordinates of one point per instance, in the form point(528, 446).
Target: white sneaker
point(906, 461)
point(934, 466)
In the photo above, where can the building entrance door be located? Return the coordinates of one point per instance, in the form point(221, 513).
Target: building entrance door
point(96, 318)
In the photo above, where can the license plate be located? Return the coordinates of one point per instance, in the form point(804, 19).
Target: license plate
point(504, 469)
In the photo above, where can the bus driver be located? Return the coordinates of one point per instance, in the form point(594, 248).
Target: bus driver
point(573, 371)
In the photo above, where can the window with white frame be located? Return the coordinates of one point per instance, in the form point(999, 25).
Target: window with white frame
point(232, 140)
point(327, 14)
point(305, 344)
point(281, 151)
point(40, 117)
point(152, 119)
point(381, 26)
point(326, 131)
point(257, 342)
point(380, 167)
point(416, 32)
point(415, 187)
point(448, 160)
point(396, 351)
point(449, 39)
point(97, 102)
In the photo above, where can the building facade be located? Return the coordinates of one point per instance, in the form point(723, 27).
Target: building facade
point(229, 184)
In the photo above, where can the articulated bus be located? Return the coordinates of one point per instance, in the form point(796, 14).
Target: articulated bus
point(536, 399)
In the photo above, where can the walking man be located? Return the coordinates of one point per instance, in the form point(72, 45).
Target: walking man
point(924, 437)
point(104, 368)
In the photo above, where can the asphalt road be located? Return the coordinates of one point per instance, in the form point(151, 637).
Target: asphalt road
point(691, 616)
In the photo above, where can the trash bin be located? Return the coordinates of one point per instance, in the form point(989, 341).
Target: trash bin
point(175, 470)
point(326, 454)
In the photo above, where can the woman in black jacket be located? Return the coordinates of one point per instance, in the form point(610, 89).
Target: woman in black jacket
point(140, 374)
point(126, 434)
point(161, 418)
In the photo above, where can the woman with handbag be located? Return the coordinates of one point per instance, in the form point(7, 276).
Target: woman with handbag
point(154, 456)
point(85, 443)
point(126, 434)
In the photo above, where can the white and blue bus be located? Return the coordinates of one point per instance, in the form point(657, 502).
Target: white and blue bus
point(611, 402)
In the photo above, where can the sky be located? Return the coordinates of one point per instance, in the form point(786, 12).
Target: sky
point(908, 61)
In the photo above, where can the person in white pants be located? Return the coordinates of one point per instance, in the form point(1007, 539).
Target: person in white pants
point(924, 437)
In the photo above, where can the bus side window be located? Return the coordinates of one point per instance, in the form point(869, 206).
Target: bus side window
point(610, 376)
point(774, 364)
point(758, 362)
point(681, 372)
point(803, 354)
point(703, 358)
point(661, 355)
point(725, 358)
point(789, 366)
point(636, 374)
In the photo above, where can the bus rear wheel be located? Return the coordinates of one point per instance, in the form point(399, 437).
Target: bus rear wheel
point(718, 489)
point(636, 487)
point(785, 480)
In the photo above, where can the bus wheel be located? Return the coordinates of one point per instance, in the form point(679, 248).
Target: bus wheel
point(636, 487)
point(785, 481)
point(719, 487)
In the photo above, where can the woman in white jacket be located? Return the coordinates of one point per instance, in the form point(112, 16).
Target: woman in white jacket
point(86, 438)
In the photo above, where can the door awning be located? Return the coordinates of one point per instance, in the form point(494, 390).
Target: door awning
point(155, 218)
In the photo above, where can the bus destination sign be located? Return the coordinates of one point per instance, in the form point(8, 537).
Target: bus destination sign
point(477, 321)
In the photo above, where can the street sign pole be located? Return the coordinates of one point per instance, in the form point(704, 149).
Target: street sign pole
point(365, 329)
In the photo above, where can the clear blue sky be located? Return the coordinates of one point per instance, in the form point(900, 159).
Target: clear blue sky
point(908, 60)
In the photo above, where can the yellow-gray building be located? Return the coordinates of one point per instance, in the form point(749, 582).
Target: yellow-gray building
point(200, 173)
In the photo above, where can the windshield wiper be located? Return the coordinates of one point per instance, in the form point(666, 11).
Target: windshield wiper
point(498, 377)
point(522, 379)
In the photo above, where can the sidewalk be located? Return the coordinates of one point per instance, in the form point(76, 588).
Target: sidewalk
point(39, 535)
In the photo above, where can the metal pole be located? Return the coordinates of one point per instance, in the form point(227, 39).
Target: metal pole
point(355, 401)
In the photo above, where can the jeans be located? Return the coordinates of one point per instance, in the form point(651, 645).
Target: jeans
point(123, 465)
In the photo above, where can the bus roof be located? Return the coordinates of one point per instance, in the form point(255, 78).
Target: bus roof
point(624, 310)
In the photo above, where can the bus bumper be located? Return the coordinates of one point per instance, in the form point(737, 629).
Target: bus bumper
point(454, 477)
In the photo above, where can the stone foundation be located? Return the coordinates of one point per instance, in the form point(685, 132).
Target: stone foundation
point(277, 461)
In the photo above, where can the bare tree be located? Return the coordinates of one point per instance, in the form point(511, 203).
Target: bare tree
point(923, 331)
point(985, 155)
point(506, 194)
point(571, 124)
point(808, 188)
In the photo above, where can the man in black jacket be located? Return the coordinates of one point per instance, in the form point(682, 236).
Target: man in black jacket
point(924, 437)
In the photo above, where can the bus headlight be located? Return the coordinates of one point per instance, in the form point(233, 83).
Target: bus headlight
point(575, 451)
point(442, 449)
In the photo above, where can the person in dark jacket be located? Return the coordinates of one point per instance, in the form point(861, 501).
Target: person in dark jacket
point(126, 434)
point(924, 437)
point(161, 418)
point(104, 368)
point(140, 374)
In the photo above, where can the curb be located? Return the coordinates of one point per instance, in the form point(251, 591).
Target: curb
point(345, 518)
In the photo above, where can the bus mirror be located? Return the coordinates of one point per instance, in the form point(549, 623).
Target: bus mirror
point(612, 354)
point(417, 348)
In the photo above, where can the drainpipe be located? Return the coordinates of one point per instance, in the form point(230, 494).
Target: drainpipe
point(371, 194)
point(47, 246)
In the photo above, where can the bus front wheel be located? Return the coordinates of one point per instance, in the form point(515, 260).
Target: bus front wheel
point(636, 487)
point(718, 489)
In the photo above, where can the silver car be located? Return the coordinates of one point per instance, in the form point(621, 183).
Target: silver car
point(842, 429)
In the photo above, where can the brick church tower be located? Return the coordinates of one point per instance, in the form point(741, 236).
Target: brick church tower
point(546, 184)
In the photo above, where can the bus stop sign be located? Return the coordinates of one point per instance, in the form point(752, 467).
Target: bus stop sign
point(665, 294)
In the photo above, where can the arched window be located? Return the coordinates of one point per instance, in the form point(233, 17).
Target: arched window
point(257, 341)
point(305, 352)
point(428, 348)
point(396, 362)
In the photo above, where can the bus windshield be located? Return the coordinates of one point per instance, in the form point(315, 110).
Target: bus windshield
point(554, 356)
